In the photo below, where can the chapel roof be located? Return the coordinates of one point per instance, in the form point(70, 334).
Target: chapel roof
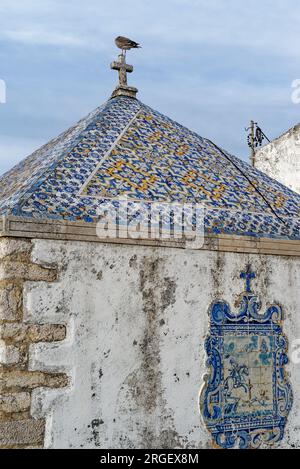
point(126, 148)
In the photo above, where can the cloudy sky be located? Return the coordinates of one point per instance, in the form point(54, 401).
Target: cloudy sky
point(212, 65)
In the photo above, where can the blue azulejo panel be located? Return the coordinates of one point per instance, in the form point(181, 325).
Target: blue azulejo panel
point(247, 397)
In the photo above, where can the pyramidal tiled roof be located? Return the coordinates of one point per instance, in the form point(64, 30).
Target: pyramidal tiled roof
point(124, 147)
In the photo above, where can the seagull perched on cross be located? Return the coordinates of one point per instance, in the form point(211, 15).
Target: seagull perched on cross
point(125, 44)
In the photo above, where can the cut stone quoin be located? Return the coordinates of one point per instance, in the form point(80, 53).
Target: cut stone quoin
point(18, 428)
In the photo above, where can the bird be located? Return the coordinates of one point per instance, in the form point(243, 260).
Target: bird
point(125, 44)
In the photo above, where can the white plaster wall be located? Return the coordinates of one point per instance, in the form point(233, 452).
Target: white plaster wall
point(137, 320)
point(281, 159)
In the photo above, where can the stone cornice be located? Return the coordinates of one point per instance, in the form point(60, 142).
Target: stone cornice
point(31, 228)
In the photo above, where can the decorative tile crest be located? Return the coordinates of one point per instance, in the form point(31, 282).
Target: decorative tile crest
point(246, 398)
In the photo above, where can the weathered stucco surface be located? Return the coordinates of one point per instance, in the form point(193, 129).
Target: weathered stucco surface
point(136, 322)
point(281, 159)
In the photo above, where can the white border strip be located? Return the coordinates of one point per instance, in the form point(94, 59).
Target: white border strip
point(107, 154)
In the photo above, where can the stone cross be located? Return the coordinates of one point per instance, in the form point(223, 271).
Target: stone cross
point(123, 68)
point(248, 276)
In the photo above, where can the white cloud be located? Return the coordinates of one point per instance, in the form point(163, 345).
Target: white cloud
point(42, 38)
point(171, 25)
point(211, 64)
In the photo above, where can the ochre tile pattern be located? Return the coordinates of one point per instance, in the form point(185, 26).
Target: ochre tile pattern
point(126, 148)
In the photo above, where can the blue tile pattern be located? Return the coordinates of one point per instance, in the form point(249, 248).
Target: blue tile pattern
point(247, 396)
point(126, 148)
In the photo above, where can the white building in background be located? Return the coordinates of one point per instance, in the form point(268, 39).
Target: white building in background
point(280, 159)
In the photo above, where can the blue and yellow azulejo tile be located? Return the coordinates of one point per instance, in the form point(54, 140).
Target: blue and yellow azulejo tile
point(124, 148)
